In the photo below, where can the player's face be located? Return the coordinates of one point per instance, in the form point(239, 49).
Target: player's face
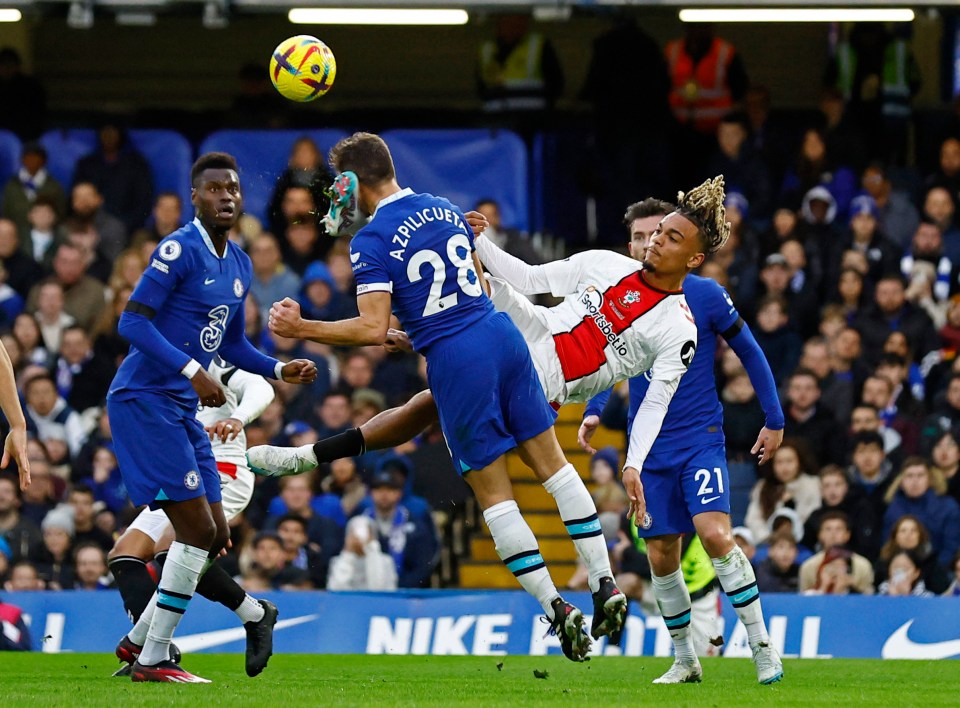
point(674, 247)
point(640, 232)
point(216, 197)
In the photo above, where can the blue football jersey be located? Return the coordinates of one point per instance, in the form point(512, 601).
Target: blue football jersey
point(695, 416)
point(205, 293)
point(419, 248)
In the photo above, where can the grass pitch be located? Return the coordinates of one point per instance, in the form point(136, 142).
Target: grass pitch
point(305, 680)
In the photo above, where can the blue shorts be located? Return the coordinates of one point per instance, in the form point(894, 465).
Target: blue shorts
point(163, 451)
point(683, 483)
point(487, 392)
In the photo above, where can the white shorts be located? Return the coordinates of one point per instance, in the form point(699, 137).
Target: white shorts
point(236, 496)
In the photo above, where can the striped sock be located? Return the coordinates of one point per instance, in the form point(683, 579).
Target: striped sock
point(180, 575)
point(738, 580)
point(673, 599)
point(517, 548)
point(579, 515)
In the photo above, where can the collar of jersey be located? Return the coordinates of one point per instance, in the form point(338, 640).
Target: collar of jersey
point(405, 192)
point(206, 239)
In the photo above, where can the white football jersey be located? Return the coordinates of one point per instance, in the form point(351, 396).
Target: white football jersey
point(611, 326)
point(247, 396)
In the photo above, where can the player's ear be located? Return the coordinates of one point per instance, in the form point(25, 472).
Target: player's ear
point(696, 261)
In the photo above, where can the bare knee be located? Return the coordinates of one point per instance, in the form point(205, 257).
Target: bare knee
point(715, 534)
point(132, 543)
point(664, 554)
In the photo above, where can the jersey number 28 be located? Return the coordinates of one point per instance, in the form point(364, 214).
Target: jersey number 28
point(436, 301)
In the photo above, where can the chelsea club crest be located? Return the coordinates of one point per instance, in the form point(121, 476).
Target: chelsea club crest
point(237, 287)
point(191, 480)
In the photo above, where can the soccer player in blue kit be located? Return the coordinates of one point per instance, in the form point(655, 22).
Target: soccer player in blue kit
point(187, 307)
point(685, 478)
point(417, 256)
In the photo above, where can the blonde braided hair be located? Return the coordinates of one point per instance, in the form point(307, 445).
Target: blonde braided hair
point(703, 205)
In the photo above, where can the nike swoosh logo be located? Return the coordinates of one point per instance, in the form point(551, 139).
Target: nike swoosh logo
point(354, 257)
point(900, 646)
point(709, 499)
point(216, 638)
point(209, 280)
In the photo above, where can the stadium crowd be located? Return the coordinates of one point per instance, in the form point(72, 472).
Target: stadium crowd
point(844, 262)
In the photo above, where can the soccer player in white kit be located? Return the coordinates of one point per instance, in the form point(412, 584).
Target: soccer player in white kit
point(150, 534)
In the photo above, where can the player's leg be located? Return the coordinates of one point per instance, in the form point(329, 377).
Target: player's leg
point(542, 453)
point(739, 582)
point(706, 486)
point(128, 560)
point(704, 615)
point(518, 549)
point(389, 428)
point(673, 598)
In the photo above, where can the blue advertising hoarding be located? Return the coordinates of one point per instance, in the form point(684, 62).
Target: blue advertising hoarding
point(496, 623)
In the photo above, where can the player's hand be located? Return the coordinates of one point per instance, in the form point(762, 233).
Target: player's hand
point(15, 446)
point(477, 222)
point(226, 429)
point(768, 442)
point(587, 428)
point(299, 371)
point(397, 341)
point(285, 319)
point(634, 487)
point(209, 391)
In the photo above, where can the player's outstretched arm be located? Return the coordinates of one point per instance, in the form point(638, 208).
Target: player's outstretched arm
point(525, 278)
point(15, 445)
point(370, 328)
point(591, 420)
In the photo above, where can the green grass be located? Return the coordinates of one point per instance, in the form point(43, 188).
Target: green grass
point(299, 680)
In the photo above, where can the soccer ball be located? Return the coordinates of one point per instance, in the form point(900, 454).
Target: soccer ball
point(302, 68)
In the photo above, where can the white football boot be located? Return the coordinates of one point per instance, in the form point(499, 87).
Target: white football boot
point(274, 461)
point(767, 661)
point(683, 671)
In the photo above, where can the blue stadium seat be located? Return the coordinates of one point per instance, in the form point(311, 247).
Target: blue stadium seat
point(464, 166)
point(168, 153)
point(262, 155)
point(9, 156)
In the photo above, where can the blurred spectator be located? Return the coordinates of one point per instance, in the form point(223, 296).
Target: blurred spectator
point(879, 392)
point(786, 482)
point(518, 71)
point(744, 538)
point(948, 171)
point(836, 496)
point(363, 565)
point(84, 296)
point(608, 494)
point(45, 489)
point(107, 342)
point(905, 577)
point(167, 217)
point(270, 559)
point(843, 137)
point(272, 280)
point(898, 345)
point(95, 262)
point(306, 169)
point(940, 209)
point(87, 207)
point(19, 532)
point(890, 312)
point(296, 497)
point(121, 175)
point(24, 578)
point(319, 296)
point(945, 415)
point(31, 181)
point(82, 500)
point(401, 469)
point(50, 413)
point(870, 477)
point(43, 233)
point(105, 480)
point(866, 418)
point(301, 244)
point(854, 575)
point(344, 485)
point(778, 340)
point(946, 460)
point(742, 168)
point(815, 167)
point(866, 236)
point(50, 315)
point(740, 262)
point(836, 393)
point(779, 572)
point(257, 105)
point(90, 562)
point(742, 417)
point(806, 418)
point(303, 554)
point(356, 371)
point(82, 376)
point(408, 538)
point(897, 216)
point(909, 534)
point(508, 239)
point(22, 96)
point(22, 270)
point(918, 490)
point(335, 413)
point(954, 589)
point(366, 403)
point(53, 559)
point(896, 369)
point(14, 634)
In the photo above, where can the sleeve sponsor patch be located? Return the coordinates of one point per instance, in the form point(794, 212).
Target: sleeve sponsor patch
point(160, 265)
point(687, 351)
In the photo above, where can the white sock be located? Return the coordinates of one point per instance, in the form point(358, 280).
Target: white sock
point(179, 579)
point(517, 548)
point(250, 610)
point(579, 514)
point(738, 580)
point(138, 635)
point(673, 599)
